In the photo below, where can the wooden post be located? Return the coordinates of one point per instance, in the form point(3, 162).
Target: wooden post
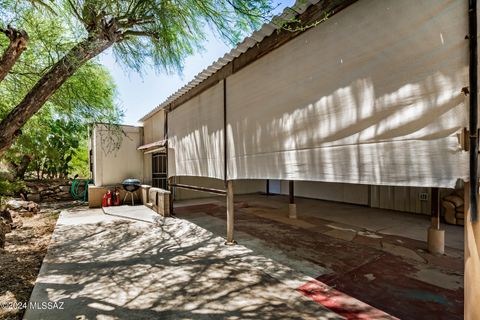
point(292, 207)
point(230, 213)
point(472, 262)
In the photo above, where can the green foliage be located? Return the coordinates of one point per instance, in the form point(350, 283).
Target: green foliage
point(159, 33)
point(144, 33)
point(79, 163)
point(57, 134)
point(9, 188)
point(89, 93)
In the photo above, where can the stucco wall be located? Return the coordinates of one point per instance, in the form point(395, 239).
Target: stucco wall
point(153, 127)
point(405, 199)
point(341, 192)
point(147, 168)
point(113, 166)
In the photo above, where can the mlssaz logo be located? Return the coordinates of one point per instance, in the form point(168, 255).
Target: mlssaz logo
point(46, 305)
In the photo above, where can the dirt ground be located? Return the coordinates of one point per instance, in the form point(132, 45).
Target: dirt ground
point(22, 257)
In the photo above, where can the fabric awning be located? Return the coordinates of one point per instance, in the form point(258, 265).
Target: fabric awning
point(195, 132)
point(364, 98)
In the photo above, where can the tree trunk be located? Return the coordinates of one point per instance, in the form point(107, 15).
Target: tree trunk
point(46, 87)
point(23, 166)
point(18, 44)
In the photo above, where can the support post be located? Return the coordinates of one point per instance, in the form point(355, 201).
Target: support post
point(170, 199)
point(267, 187)
point(230, 213)
point(169, 180)
point(473, 107)
point(472, 261)
point(436, 236)
point(292, 207)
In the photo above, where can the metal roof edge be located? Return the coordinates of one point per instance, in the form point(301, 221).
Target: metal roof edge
point(248, 42)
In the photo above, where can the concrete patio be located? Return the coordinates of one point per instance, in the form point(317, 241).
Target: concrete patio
point(129, 263)
point(375, 255)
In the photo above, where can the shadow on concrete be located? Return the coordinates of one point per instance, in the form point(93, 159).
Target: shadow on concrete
point(126, 269)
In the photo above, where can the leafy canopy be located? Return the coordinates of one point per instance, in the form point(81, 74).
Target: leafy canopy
point(161, 33)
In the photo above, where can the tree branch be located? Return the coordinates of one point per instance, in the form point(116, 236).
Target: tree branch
point(48, 84)
point(18, 44)
point(135, 33)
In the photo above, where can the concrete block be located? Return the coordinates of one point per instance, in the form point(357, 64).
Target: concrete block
point(292, 211)
point(436, 241)
point(160, 200)
point(144, 189)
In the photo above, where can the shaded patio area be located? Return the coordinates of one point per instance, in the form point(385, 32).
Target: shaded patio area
point(131, 263)
point(375, 255)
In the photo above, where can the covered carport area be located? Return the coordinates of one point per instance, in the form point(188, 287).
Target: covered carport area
point(377, 256)
point(364, 98)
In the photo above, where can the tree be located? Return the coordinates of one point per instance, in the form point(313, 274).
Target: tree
point(18, 44)
point(159, 32)
point(86, 97)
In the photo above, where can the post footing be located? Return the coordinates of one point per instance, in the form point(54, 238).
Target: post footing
point(292, 211)
point(436, 241)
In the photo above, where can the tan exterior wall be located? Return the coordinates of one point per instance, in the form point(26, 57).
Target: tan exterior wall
point(113, 166)
point(153, 127)
point(341, 192)
point(401, 199)
point(405, 199)
point(147, 168)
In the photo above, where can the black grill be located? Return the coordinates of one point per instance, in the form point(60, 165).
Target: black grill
point(131, 184)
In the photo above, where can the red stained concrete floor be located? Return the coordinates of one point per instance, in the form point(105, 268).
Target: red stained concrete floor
point(389, 272)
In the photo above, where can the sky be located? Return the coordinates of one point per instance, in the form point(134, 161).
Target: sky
point(137, 94)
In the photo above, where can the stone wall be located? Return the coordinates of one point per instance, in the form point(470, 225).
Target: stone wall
point(48, 190)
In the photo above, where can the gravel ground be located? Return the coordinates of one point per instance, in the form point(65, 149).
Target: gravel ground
point(22, 257)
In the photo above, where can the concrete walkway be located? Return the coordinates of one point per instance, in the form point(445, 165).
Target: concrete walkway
point(132, 264)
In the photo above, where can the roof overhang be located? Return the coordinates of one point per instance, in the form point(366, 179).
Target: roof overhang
point(156, 144)
point(300, 10)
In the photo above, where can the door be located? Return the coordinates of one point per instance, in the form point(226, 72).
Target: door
point(159, 170)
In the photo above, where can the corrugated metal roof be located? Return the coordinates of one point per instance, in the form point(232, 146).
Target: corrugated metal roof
point(160, 143)
point(266, 30)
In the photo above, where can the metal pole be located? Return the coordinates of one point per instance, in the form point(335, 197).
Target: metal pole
point(169, 179)
point(225, 131)
point(435, 212)
point(202, 189)
point(291, 192)
point(473, 123)
point(230, 213)
point(267, 187)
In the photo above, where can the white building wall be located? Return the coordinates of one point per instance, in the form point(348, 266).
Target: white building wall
point(153, 128)
point(112, 166)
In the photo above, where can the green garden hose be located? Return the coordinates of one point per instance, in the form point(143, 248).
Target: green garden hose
point(76, 187)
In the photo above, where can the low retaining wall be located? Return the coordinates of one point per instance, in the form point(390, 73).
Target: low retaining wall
point(154, 198)
point(95, 195)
